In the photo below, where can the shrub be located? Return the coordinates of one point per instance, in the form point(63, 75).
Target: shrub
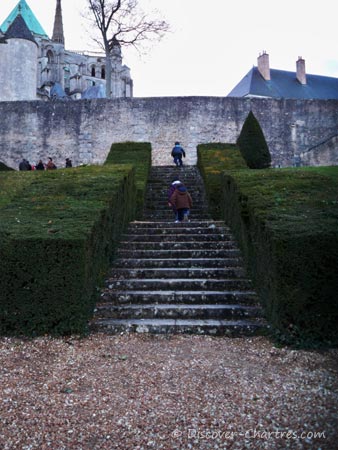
point(252, 144)
point(212, 160)
point(286, 223)
point(138, 154)
point(4, 168)
point(58, 233)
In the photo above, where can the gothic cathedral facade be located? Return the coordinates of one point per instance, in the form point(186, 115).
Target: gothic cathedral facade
point(33, 66)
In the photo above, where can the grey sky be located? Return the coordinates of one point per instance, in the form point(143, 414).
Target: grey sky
point(214, 43)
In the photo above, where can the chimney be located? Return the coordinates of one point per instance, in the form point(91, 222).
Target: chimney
point(301, 75)
point(264, 66)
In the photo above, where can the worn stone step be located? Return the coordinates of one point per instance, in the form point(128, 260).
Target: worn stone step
point(183, 245)
point(177, 237)
point(189, 284)
point(204, 224)
point(159, 254)
point(173, 311)
point(169, 215)
point(248, 297)
point(198, 211)
point(183, 277)
point(176, 272)
point(171, 326)
point(178, 262)
point(173, 229)
point(160, 193)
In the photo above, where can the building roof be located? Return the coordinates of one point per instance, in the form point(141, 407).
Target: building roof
point(28, 16)
point(284, 84)
point(19, 30)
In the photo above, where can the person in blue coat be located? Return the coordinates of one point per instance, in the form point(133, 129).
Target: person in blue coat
point(177, 153)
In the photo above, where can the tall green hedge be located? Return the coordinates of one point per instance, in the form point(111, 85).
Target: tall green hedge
point(252, 144)
point(4, 168)
point(212, 160)
point(138, 154)
point(58, 232)
point(286, 223)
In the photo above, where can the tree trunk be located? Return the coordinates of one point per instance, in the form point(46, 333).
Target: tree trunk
point(108, 75)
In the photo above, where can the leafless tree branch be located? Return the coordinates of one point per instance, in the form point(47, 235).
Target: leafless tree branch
point(122, 22)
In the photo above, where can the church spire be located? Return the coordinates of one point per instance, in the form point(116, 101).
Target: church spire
point(58, 26)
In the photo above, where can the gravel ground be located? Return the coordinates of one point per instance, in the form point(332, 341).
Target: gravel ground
point(179, 392)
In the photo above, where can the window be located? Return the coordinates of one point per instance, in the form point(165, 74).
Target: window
point(50, 56)
point(93, 71)
point(103, 73)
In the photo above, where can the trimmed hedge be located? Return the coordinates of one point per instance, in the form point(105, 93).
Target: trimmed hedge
point(252, 144)
point(58, 233)
point(138, 154)
point(286, 223)
point(212, 160)
point(4, 168)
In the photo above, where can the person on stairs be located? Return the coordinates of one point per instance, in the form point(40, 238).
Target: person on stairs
point(182, 201)
point(171, 190)
point(177, 153)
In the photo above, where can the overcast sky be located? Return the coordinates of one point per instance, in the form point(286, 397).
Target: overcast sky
point(213, 43)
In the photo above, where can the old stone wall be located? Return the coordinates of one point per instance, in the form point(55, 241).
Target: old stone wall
point(323, 154)
point(84, 130)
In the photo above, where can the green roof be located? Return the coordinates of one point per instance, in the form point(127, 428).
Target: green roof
point(28, 16)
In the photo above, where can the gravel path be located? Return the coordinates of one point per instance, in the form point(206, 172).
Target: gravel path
point(180, 392)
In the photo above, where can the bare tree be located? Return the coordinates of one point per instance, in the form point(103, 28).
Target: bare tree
point(122, 23)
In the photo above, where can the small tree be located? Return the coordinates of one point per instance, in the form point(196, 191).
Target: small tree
point(252, 144)
point(122, 23)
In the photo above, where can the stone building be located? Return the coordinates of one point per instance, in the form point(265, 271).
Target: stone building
point(264, 82)
point(58, 72)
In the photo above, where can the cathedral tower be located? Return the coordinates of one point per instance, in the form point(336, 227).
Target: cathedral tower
point(58, 35)
point(18, 68)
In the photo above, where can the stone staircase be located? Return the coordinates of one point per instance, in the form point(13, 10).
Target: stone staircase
point(178, 277)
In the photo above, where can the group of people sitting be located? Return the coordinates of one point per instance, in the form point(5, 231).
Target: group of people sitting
point(26, 165)
point(180, 201)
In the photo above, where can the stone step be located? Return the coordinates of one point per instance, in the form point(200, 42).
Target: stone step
point(176, 272)
point(172, 311)
point(159, 254)
point(190, 183)
point(172, 228)
point(206, 224)
point(229, 328)
point(182, 237)
point(183, 245)
point(180, 284)
point(247, 297)
point(178, 262)
point(169, 216)
point(163, 206)
point(174, 278)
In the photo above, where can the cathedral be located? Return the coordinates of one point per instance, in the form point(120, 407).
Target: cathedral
point(33, 66)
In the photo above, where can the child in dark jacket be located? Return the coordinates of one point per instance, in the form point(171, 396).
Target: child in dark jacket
point(171, 190)
point(182, 200)
point(177, 153)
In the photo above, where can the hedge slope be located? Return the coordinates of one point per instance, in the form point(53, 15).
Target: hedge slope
point(58, 230)
point(212, 160)
point(138, 154)
point(286, 222)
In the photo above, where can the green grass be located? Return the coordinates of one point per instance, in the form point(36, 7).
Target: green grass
point(299, 200)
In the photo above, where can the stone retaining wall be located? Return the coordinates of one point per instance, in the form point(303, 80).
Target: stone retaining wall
point(84, 130)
